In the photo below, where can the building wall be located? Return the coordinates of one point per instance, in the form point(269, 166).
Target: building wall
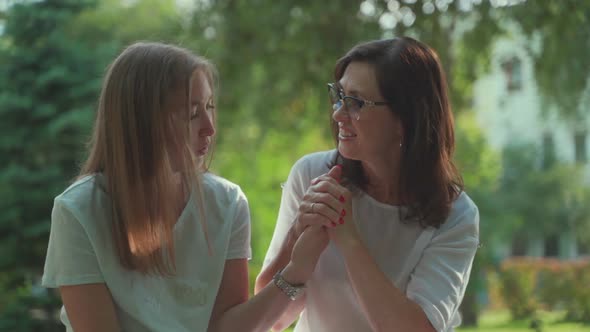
point(509, 110)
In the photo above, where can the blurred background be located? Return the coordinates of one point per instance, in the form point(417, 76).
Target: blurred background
point(519, 76)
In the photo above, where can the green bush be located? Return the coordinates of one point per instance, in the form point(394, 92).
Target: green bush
point(576, 291)
point(529, 284)
point(551, 286)
point(518, 277)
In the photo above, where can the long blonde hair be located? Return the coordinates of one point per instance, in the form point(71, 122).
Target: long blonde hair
point(136, 137)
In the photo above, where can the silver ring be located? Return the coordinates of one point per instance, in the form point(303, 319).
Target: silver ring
point(312, 204)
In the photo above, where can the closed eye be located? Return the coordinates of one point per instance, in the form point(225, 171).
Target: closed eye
point(195, 112)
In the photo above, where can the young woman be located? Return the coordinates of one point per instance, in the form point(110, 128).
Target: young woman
point(146, 239)
point(404, 233)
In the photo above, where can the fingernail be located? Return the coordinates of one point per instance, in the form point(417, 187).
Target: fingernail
point(341, 221)
point(342, 199)
point(315, 181)
point(338, 165)
point(343, 213)
point(334, 224)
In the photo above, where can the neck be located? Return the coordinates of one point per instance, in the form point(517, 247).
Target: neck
point(382, 179)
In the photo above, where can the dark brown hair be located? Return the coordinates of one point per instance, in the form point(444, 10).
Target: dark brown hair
point(136, 141)
point(410, 77)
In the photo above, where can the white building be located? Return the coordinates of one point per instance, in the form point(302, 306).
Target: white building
point(509, 110)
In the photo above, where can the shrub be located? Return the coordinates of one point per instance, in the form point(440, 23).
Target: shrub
point(528, 284)
point(518, 279)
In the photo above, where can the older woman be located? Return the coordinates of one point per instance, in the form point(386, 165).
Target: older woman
point(403, 233)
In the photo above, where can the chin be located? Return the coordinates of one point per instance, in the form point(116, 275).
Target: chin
point(348, 152)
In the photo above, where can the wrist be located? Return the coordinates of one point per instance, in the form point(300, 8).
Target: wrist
point(293, 291)
point(349, 244)
point(294, 274)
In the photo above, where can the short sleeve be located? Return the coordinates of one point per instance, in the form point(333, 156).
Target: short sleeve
point(239, 244)
point(439, 280)
point(293, 191)
point(71, 258)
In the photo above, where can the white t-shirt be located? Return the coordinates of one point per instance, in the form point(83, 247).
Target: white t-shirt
point(81, 251)
point(431, 266)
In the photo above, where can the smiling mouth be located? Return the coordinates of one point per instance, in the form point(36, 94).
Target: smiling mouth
point(345, 134)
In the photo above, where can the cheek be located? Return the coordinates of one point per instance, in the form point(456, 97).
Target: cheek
point(194, 134)
point(379, 134)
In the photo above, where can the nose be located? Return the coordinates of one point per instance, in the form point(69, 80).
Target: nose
point(339, 114)
point(207, 126)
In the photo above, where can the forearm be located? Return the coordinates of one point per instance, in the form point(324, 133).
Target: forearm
point(386, 307)
point(265, 278)
point(261, 312)
point(293, 309)
point(276, 265)
point(266, 275)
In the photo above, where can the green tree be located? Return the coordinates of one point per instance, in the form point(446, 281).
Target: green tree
point(545, 200)
point(462, 33)
point(481, 169)
point(48, 88)
point(560, 49)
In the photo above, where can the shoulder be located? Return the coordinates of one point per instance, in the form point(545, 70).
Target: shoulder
point(83, 194)
point(221, 189)
point(314, 164)
point(85, 201)
point(464, 214)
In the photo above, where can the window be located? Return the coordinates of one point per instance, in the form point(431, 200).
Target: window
point(512, 69)
point(580, 146)
point(548, 147)
point(519, 245)
point(552, 246)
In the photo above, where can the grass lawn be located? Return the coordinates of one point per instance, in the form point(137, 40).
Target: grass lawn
point(500, 322)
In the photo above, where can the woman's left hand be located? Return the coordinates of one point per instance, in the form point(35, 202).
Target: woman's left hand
point(345, 234)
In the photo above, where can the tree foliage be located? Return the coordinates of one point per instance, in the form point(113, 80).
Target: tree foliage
point(547, 201)
point(48, 85)
point(560, 47)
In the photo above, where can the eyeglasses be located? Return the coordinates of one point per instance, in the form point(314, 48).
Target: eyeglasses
point(353, 105)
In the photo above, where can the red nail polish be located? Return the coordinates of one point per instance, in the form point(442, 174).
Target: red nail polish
point(341, 221)
point(343, 213)
point(342, 199)
point(339, 166)
point(334, 224)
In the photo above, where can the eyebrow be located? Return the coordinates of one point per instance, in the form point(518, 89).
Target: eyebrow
point(198, 101)
point(353, 92)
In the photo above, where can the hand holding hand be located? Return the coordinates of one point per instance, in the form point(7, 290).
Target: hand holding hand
point(345, 233)
point(305, 254)
point(318, 205)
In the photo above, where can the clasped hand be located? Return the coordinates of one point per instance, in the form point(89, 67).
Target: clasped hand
point(325, 213)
